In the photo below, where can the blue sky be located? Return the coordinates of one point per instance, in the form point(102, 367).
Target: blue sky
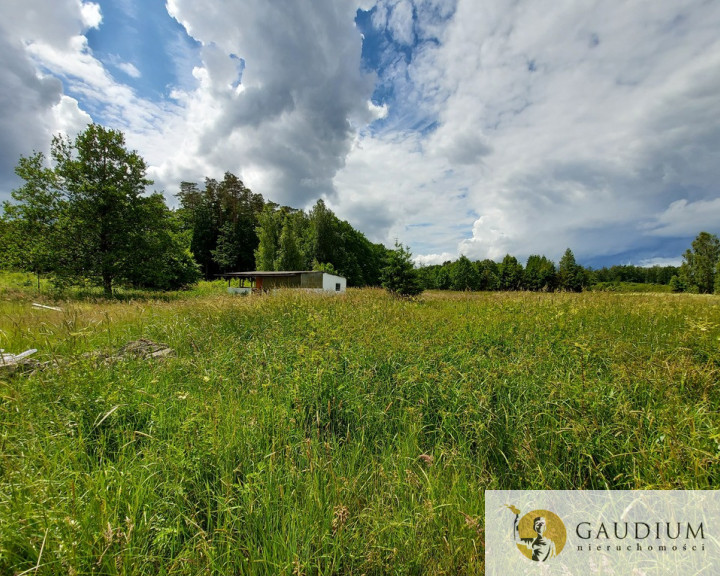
point(144, 47)
point(478, 127)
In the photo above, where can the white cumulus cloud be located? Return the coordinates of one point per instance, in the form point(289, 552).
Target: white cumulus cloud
point(569, 125)
point(91, 15)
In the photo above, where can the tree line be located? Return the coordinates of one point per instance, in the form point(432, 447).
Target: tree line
point(538, 274)
point(84, 217)
point(698, 273)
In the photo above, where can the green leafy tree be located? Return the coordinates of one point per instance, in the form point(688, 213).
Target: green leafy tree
point(322, 237)
point(292, 239)
point(221, 219)
point(88, 219)
point(289, 255)
point(228, 248)
point(354, 255)
point(660, 274)
point(196, 213)
point(540, 274)
point(571, 275)
point(442, 278)
point(6, 235)
point(160, 257)
point(399, 276)
point(268, 231)
point(678, 284)
point(510, 274)
point(488, 275)
point(700, 263)
point(429, 276)
point(463, 275)
point(238, 209)
point(103, 183)
point(324, 267)
point(373, 269)
point(31, 225)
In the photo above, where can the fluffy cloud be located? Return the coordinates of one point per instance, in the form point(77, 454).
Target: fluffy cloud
point(68, 117)
point(393, 189)
point(30, 98)
point(91, 15)
point(588, 126)
point(45, 46)
point(290, 122)
point(683, 218)
point(33, 101)
point(54, 23)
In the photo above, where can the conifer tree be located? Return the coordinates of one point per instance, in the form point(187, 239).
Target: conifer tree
point(570, 274)
point(399, 276)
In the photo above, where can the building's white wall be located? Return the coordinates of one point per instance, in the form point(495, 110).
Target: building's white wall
point(330, 280)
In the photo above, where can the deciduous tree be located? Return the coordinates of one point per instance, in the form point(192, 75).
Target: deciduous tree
point(540, 274)
point(268, 232)
point(463, 275)
point(488, 274)
point(510, 273)
point(31, 224)
point(290, 256)
point(701, 261)
point(88, 218)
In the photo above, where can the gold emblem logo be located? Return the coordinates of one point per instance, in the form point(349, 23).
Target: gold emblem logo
point(539, 535)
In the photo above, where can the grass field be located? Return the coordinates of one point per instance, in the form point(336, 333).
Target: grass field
point(634, 287)
point(304, 434)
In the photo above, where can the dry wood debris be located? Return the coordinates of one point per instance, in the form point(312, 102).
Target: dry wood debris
point(143, 348)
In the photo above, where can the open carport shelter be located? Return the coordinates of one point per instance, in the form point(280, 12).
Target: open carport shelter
point(304, 279)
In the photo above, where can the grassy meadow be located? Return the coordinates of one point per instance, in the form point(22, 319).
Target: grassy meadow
point(304, 434)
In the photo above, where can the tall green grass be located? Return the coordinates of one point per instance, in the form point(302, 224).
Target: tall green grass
point(304, 434)
point(631, 287)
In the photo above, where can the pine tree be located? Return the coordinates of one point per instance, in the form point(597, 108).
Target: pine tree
point(399, 276)
point(570, 274)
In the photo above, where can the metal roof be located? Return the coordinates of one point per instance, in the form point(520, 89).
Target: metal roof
point(274, 273)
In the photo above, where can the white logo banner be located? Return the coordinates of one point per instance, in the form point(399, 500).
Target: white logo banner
point(616, 532)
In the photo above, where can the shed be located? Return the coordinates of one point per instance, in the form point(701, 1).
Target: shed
point(267, 280)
